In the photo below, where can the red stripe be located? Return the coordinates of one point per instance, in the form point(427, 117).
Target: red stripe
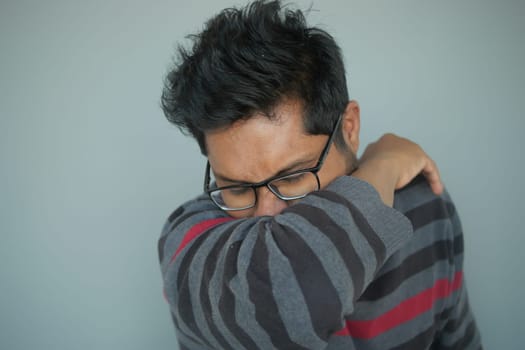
point(404, 312)
point(196, 230)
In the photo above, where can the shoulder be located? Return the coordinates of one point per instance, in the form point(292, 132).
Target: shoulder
point(421, 206)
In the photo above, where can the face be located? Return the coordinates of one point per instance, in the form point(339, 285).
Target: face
point(252, 150)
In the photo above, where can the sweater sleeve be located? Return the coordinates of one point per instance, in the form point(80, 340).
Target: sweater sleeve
point(275, 282)
point(459, 330)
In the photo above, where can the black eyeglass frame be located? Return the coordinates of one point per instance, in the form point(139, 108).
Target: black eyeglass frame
point(254, 186)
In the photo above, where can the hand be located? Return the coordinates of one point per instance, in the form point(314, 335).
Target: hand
point(392, 162)
point(407, 160)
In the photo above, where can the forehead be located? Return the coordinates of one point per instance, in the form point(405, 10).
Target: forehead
point(254, 149)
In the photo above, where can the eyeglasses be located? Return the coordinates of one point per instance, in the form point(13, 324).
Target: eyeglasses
point(288, 187)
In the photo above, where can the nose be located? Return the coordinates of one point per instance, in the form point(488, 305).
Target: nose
point(268, 203)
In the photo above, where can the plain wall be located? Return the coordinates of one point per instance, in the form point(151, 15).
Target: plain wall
point(90, 168)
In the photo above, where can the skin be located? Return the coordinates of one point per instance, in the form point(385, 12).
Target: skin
point(257, 148)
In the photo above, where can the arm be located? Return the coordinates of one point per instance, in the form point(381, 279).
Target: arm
point(283, 281)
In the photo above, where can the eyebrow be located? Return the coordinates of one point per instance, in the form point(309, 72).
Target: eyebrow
point(298, 164)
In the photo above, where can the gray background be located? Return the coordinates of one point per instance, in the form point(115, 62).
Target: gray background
point(90, 168)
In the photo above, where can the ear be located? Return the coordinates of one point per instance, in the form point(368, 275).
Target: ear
point(350, 125)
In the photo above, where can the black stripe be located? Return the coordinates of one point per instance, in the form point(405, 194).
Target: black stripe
point(470, 333)
point(227, 300)
point(174, 319)
point(182, 347)
point(339, 239)
point(446, 313)
point(418, 181)
point(320, 295)
point(260, 290)
point(190, 339)
point(160, 247)
point(184, 305)
point(204, 293)
point(428, 212)
point(190, 342)
point(175, 213)
point(176, 217)
point(183, 217)
point(185, 263)
point(421, 341)
point(458, 244)
point(411, 265)
point(362, 224)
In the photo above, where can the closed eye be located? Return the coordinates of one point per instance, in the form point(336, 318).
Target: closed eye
point(239, 191)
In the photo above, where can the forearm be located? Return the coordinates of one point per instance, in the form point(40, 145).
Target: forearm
point(315, 259)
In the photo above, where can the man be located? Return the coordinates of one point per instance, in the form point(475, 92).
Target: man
point(285, 250)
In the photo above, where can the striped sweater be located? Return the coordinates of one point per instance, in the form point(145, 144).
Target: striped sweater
point(337, 270)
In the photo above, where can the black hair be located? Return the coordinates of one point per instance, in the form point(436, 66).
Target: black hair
point(247, 61)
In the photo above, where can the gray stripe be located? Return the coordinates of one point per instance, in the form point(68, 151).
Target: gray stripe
point(216, 285)
point(288, 295)
point(245, 310)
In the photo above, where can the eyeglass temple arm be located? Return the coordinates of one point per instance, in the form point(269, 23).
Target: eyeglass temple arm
point(207, 177)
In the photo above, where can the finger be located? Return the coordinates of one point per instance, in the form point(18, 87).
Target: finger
point(431, 173)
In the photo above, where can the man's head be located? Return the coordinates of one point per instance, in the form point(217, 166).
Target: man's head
point(258, 90)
